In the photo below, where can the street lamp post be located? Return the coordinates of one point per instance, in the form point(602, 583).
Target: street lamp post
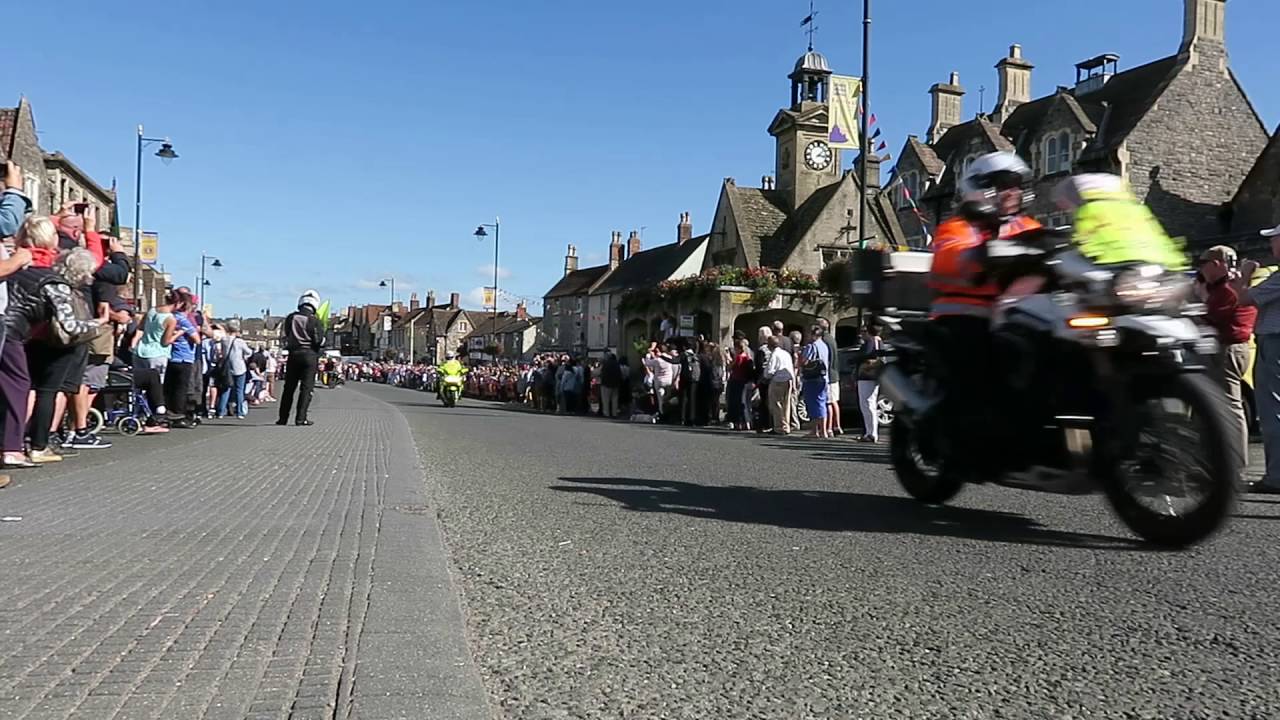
point(481, 234)
point(205, 283)
point(166, 154)
point(391, 309)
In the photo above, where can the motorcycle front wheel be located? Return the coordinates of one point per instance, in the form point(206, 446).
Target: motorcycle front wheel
point(924, 480)
point(1176, 484)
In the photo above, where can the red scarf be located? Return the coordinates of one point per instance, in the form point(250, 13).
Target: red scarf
point(43, 257)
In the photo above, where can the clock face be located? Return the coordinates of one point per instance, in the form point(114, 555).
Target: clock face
point(817, 155)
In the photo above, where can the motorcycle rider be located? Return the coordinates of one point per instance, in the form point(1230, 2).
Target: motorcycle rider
point(994, 190)
point(450, 366)
point(1110, 225)
point(304, 338)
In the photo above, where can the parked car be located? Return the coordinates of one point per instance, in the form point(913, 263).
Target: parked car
point(850, 409)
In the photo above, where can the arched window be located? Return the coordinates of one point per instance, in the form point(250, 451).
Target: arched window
point(1057, 153)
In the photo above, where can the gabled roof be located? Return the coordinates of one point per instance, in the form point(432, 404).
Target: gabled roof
point(957, 137)
point(928, 158)
point(777, 249)
point(413, 316)
point(444, 316)
point(650, 267)
point(758, 214)
point(1114, 109)
point(1269, 154)
point(578, 282)
point(507, 322)
point(8, 129)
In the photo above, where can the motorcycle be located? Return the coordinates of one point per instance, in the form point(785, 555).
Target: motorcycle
point(1105, 387)
point(450, 390)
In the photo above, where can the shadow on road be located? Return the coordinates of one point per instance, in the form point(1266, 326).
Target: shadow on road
point(833, 512)
point(842, 450)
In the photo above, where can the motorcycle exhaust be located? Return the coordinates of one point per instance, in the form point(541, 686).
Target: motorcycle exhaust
point(898, 387)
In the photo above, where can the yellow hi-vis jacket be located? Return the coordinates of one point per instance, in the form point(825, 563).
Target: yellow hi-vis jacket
point(1114, 227)
point(452, 367)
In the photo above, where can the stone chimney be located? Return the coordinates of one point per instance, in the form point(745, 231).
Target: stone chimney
point(1203, 26)
point(633, 243)
point(684, 231)
point(947, 107)
point(615, 250)
point(413, 301)
point(873, 171)
point(431, 298)
point(522, 311)
point(1015, 84)
point(571, 260)
point(455, 301)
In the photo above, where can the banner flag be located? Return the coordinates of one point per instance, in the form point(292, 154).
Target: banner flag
point(842, 128)
point(488, 297)
point(149, 248)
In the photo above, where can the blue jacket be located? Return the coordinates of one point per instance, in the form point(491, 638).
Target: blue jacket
point(14, 208)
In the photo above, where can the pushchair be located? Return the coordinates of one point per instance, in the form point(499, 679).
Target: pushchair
point(126, 407)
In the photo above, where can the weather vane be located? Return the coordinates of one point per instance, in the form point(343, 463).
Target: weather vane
point(810, 26)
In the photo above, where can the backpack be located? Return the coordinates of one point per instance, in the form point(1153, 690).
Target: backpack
point(61, 336)
point(695, 367)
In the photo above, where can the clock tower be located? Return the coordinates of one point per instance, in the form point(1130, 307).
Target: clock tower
point(804, 161)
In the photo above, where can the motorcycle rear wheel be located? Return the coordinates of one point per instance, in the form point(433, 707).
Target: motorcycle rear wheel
point(927, 482)
point(1185, 434)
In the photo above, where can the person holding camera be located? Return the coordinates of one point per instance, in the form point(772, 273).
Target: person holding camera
point(1234, 323)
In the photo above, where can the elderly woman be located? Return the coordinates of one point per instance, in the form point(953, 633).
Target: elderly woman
point(47, 308)
point(235, 359)
point(815, 360)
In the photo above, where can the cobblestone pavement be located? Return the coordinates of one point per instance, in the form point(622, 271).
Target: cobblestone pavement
point(615, 570)
point(236, 571)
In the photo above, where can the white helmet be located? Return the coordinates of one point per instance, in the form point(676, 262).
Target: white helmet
point(310, 298)
point(450, 355)
point(988, 175)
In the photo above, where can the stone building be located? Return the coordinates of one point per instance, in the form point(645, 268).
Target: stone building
point(565, 305)
point(513, 334)
point(805, 215)
point(18, 142)
point(1180, 129)
point(641, 268)
point(1255, 206)
point(64, 183)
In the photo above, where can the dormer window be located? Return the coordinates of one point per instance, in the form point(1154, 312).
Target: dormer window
point(910, 189)
point(1057, 153)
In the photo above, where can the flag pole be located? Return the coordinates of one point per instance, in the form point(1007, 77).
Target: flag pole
point(866, 143)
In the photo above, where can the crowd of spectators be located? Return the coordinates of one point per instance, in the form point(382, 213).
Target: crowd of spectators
point(71, 343)
point(769, 386)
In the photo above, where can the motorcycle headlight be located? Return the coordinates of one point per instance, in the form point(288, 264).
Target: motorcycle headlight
point(1149, 287)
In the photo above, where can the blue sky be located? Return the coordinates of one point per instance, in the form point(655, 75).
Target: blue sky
point(339, 144)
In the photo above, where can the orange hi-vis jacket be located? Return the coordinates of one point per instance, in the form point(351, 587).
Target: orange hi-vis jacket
point(957, 274)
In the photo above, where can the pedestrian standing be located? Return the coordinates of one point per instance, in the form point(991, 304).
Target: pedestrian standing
point(235, 369)
point(1234, 324)
point(869, 383)
point(763, 353)
point(610, 383)
point(182, 358)
point(833, 379)
point(813, 381)
point(780, 371)
point(303, 338)
point(741, 384)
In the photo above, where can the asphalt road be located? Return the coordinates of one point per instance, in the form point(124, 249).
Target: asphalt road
point(614, 570)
